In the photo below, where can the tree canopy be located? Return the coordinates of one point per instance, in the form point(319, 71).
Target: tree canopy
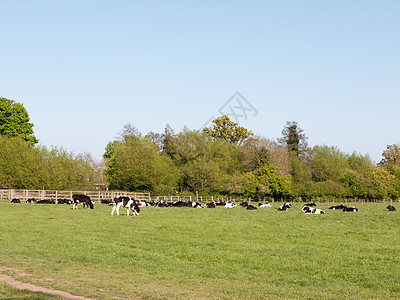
point(224, 128)
point(14, 121)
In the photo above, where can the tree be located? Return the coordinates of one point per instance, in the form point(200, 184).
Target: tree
point(391, 156)
point(14, 121)
point(226, 129)
point(294, 139)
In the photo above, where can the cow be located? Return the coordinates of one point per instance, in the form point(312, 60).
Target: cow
point(211, 204)
point(197, 205)
point(64, 201)
point(46, 201)
point(160, 203)
point(230, 205)
point(351, 209)
point(31, 200)
point(84, 199)
point(262, 205)
point(284, 207)
point(126, 202)
point(15, 200)
point(244, 204)
point(312, 210)
point(391, 208)
point(251, 207)
point(341, 206)
point(310, 204)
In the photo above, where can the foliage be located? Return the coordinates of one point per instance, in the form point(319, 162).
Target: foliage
point(23, 167)
point(14, 121)
point(391, 156)
point(294, 139)
point(224, 128)
point(136, 165)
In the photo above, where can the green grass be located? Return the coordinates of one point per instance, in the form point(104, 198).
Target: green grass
point(185, 253)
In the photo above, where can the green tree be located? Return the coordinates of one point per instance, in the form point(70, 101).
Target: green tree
point(391, 156)
point(294, 139)
point(224, 128)
point(14, 121)
point(136, 165)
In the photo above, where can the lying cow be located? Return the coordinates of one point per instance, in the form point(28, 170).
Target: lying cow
point(312, 210)
point(31, 200)
point(391, 208)
point(341, 206)
point(262, 205)
point(251, 207)
point(230, 205)
point(211, 204)
point(126, 202)
point(310, 204)
point(84, 199)
point(284, 207)
point(15, 200)
point(351, 209)
point(46, 201)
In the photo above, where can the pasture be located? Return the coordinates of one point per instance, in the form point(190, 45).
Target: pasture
point(187, 253)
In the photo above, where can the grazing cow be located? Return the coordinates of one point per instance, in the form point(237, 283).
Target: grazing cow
point(391, 208)
point(15, 200)
point(31, 200)
point(264, 205)
point(341, 206)
point(81, 199)
point(127, 202)
point(230, 205)
point(45, 201)
point(312, 210)
point(251, 207)
point(352, 209)
point(284, 207)
point(211, 204)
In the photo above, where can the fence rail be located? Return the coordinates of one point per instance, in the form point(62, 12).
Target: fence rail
point(54, 195)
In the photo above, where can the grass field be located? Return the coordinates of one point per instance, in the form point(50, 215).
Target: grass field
point(185, 253)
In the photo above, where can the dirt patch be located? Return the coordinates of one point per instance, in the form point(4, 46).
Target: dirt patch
point(35, 288)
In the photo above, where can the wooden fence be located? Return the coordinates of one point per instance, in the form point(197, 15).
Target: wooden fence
point(54, 195)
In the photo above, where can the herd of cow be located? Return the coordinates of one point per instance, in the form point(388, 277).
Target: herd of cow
point(133, 205)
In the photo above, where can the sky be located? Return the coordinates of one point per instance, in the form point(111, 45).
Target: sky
point(84, 69)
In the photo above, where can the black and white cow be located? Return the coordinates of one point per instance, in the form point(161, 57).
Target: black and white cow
point(391, 208)
point(64, 201)
point(351, 209)
point(211, 204)
point(230, 204)
point(126, 202)
point(250, 207)
point(284, 207)
point(341, 206)
point(312, 210)
point(31, 200)
point(262, 205)
point(46, 201)
point(15, 200)
point(310, 204)
point(84, 199)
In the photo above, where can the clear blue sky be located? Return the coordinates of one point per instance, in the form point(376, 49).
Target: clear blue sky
point(83, 69)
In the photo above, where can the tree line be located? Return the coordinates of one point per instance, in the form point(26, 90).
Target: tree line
point(223, 159)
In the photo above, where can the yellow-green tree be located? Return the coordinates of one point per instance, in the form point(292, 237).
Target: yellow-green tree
point(224, 128)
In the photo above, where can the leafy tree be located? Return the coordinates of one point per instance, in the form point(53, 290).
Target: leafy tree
point(328, 163)
point(294, 139)
point(391, 156)
point(272, 182)
point(258, 151)
point(14, 121)
point(136, 165)
point(224, 128)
